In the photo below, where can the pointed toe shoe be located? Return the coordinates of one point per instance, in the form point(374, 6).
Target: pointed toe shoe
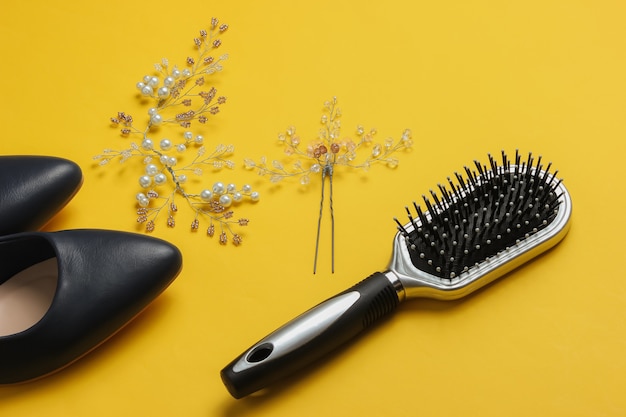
point(64, 293)
point(33, 189)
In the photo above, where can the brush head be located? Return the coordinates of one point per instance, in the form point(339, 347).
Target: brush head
point(482, 220)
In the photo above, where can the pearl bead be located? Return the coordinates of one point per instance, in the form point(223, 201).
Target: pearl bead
point(181, 148)
point(147, 144)
point(145, 181)
point(140, 196)
point(172, 161)
point(237, 197)
point(186, 72)
point(182, 178)
point(164, 159)
point(246, 188)
point(169, 81)
point(165, 144)
point(144, 202)
point(153, 82)
point(206, 195)
point(152, 170)
point(175, 73)
point(146, 90)
point(231, 188)
point(225, 200)
point(254, 196)
point(199, 139)
point(140, 86)
point(218, 188)
point(160, 179)
point(188, 135)
point(146, 79)
point(152, 111)
point(163, 92)
point(156, 119)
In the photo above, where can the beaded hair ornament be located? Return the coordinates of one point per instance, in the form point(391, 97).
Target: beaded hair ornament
point(320, 158)
point(180, 98)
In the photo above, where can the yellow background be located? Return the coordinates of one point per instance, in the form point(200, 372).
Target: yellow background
point(468, 77)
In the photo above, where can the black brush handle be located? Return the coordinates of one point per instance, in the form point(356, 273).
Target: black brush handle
point(310, 336)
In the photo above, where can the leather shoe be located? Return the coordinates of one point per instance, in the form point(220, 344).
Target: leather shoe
point(33, 189)
point(63, 293)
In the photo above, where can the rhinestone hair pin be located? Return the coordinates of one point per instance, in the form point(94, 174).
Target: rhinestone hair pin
point(321, 157)
point(180, 98)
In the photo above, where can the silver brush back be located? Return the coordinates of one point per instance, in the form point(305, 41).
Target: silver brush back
point(474, 230)
point(412, 282)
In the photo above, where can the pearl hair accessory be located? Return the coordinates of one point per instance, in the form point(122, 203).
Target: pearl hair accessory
point(180, 98)
point(322, 156)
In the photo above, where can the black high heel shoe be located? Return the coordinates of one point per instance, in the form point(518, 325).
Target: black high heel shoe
point(63, 293)
point(33, 189)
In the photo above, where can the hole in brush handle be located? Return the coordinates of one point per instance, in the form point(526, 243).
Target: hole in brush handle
point(311, 336)
point(260, 353)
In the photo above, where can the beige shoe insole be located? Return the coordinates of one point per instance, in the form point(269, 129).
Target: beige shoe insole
point(26, 297)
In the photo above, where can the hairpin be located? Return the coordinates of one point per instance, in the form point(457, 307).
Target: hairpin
point(322, 156)
point(181, 97)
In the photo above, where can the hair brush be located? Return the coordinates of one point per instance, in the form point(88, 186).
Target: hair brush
point(490, 221)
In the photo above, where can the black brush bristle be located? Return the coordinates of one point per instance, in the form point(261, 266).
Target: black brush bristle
point(486, 211)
